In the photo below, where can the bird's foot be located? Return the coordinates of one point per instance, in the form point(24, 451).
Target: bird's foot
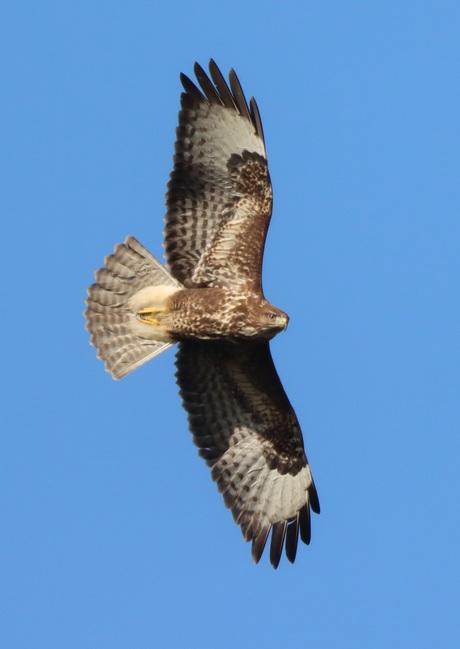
point(147, 315)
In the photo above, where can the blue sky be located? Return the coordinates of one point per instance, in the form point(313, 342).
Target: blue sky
point(112, 533)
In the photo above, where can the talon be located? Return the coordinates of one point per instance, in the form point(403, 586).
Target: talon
point(147, 315)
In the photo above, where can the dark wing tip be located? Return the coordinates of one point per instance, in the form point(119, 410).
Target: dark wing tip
point(215, 90)
point(283, 534)
point(313, 497)
point(305, 523)
point(276, 546)
point(256, 120)
point(258, 543)
point(222, 86)
point(209, 90)
point(238, 96)
point(190, 88)
point(292, 539)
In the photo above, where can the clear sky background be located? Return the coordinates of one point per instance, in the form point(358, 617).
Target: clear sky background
point(112, 533)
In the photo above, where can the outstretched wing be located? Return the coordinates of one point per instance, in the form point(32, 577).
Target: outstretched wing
point(219, 198)
point(247, 431)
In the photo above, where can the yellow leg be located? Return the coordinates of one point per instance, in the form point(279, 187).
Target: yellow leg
point(147, 315)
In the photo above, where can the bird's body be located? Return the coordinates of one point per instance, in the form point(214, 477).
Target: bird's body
point(186, 314)
point(209, 300)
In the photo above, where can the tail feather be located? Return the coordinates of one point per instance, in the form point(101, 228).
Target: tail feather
point(123, 353)
point(106, 279)
point(121, 341)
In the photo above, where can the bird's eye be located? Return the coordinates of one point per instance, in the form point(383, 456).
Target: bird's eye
point(272, 316)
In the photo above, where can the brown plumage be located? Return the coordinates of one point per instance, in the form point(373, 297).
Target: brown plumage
point(209, 299)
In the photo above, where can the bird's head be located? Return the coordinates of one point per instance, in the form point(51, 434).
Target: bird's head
point(265, 320)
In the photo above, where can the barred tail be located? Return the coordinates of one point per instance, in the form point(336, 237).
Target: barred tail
point(132, 278)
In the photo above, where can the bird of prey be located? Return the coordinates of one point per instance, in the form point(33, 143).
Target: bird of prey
point(209, 300)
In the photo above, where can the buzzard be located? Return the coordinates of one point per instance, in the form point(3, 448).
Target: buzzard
point(209, 300)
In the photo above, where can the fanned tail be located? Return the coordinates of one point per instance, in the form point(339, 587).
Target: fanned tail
point(131, 279)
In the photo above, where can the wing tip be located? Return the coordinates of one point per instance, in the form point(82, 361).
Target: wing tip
point(258, 544)
point(284, 535)
point(214, 89)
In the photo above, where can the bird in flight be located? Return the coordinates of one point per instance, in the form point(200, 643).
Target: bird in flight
point(208, 300)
